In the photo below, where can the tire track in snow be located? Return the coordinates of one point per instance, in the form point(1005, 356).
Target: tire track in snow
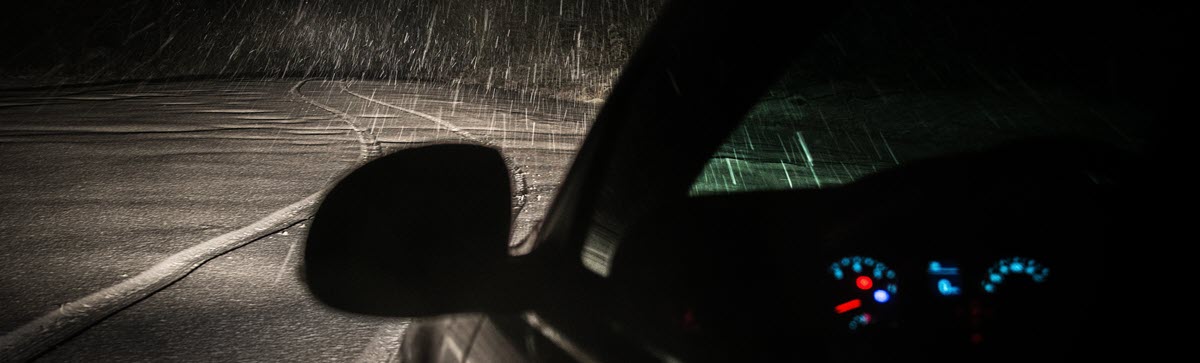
point(43, 333)
point(40, 335)
point(386, 343)
point(369, 147)
point(520, 183)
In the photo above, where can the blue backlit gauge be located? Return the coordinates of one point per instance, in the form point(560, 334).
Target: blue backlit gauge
point(863, 288)
point(1013, 268)
point(945, 278)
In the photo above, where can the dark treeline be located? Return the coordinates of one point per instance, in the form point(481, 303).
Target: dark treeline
point(570, 48)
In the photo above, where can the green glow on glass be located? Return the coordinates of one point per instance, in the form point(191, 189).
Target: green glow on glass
point(729, 165)
point(808, 157)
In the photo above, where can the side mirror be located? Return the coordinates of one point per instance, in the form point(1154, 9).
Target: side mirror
point(419, 232)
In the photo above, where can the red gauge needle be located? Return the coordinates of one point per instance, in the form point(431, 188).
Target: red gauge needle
point(847, 306)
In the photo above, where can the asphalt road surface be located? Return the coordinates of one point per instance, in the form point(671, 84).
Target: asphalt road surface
point(165, 221)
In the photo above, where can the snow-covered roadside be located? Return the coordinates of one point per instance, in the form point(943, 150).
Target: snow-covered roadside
point(243, 141)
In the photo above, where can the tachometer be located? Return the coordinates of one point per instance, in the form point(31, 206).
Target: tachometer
point(1015, 268)
point(864, 287)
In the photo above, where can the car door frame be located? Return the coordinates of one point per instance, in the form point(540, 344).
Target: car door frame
point(699, 69)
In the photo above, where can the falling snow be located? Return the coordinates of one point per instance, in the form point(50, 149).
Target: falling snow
point(562, 48)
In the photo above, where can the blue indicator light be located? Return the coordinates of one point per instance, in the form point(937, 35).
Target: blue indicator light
point(996, 277)
point(989, 287)
point(946, 288)
point(938, 268)
point(1030, 269)
point(882, 296)
point(891, 274)
point(857, 267)
point(1016, 267)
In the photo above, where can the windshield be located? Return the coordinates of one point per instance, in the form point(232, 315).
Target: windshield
point(871, 95)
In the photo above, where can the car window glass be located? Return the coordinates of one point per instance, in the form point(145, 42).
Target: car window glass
point(875, 93)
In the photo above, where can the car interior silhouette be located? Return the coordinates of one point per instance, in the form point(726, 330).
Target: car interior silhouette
point(806, 181)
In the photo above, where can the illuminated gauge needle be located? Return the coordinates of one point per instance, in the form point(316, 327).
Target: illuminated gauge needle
point(847, 306)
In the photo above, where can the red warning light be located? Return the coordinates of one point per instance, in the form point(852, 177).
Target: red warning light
point(847, 306)
point(864, 283)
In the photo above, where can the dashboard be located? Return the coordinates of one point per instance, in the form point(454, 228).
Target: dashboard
point(977, 307)
point(953, 260)
point(866, 290)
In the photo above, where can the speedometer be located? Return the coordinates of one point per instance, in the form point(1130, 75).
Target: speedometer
point(863, 288)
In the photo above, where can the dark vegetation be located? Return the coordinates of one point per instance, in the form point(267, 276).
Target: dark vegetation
point(564, 48)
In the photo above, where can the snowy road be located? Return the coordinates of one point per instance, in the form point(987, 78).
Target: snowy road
point(110, 192)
